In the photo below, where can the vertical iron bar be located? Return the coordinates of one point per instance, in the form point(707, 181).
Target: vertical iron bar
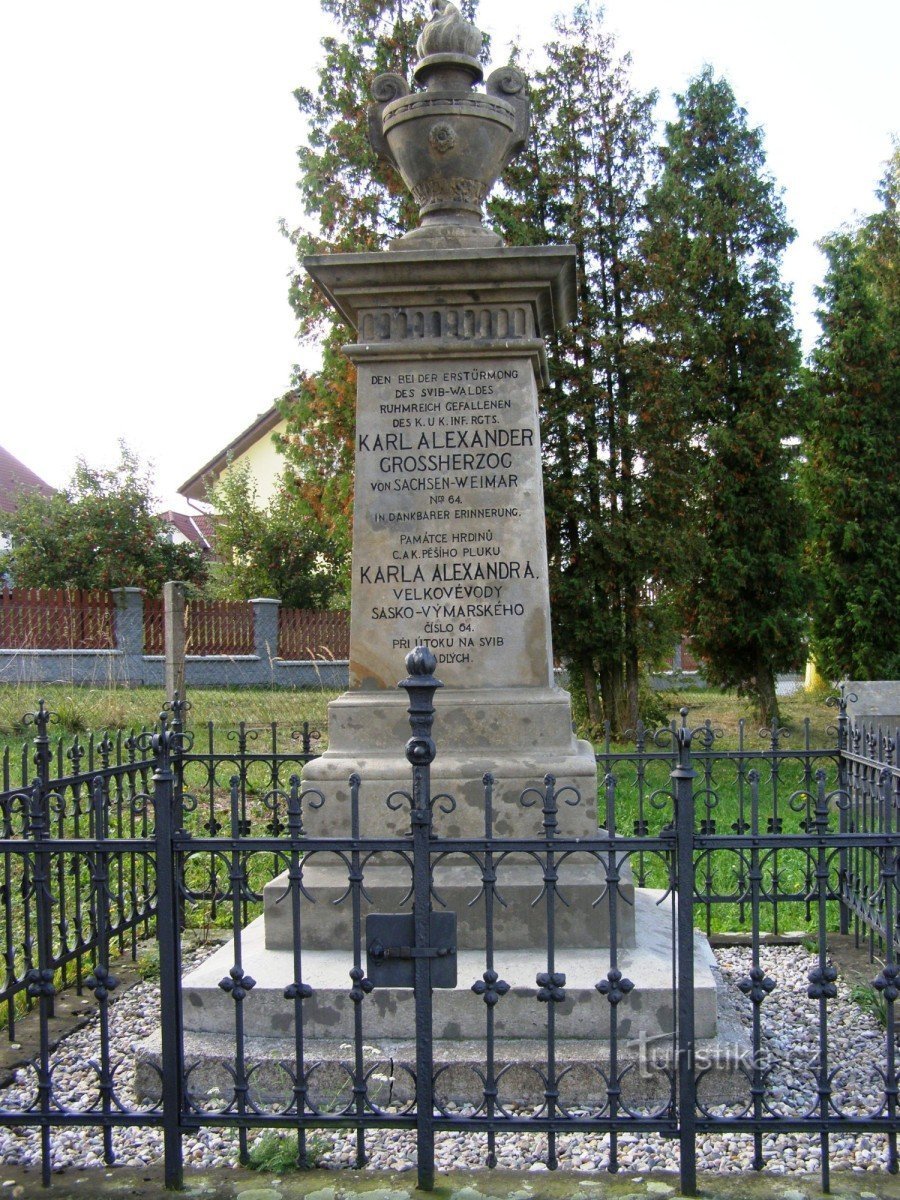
point(361, 986)
point(844, 812)
point(40, 979)
point(298, 991)
point(237, 983)
point(43, 760)
point(612, 885)
point(167, 932)
point(9, 946)
point(178, 708)
point(101, 981)
point(888, 978)
point(683, 777)
point(494, 988)
point(740, 824)
point(420, 751)
point(822, 979)
point(641, 772)
point(776, 827)
point(756, 986)
point(552, 984)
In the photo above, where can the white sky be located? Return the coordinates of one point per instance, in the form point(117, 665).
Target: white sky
point(147, 154)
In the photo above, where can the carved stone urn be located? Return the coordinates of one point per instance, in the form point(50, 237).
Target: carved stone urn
point(449, 143)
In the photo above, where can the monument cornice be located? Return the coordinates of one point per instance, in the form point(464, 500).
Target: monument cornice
point(444, 348)
point(541, 277)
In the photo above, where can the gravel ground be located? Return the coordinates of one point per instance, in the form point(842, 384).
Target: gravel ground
point(856, 1049)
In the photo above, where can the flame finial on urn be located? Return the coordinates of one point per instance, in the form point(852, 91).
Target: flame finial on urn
point(448, 32)
point(449, 143)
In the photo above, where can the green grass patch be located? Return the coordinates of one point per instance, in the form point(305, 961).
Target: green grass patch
point(87, 710)
point(278, 1153)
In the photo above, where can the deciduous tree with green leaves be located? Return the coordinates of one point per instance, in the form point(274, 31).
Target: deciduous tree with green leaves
point(352, 201)
point(608, 474)
point(98, 532)
point(275, 549)
point(728, 362)
point(851, 472)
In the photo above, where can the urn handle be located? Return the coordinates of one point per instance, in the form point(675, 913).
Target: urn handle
point(510, 84)
point(385, 88)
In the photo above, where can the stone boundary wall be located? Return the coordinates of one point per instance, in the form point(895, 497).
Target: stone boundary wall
point(128, 666)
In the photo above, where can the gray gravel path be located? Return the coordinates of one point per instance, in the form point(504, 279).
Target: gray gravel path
point(791, 1042)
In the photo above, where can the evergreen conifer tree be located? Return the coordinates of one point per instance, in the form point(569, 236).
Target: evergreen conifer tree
point(851, 474)
point(581, 181)
point(728, 362)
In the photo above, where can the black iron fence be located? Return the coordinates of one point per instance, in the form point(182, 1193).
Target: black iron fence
point(154, 828)
point(61, 780)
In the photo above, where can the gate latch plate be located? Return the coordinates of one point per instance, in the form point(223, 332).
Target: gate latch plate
point(391, 951)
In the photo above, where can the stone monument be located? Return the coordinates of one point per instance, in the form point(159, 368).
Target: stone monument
point(449, 551)
point(449, 546)
point(449, 543)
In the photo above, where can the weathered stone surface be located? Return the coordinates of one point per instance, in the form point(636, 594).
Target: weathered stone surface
point(518, 923)
point(449, 354)
point(876, 703)
point(451, 288)
point(448, 550)
point(645, 1017)
point(646, 1012)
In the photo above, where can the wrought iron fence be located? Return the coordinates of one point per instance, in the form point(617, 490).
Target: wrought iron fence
point(765, 835)
point(63, 778)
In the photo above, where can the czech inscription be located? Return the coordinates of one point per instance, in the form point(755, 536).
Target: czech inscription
point(449, 543)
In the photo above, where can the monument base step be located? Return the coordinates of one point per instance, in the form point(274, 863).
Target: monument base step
point(583, 1069)
point(517, 735)
point(645, 1012)
point(459, 775)
point(518, 923)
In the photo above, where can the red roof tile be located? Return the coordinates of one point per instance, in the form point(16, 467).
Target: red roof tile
point(16, 477)
point(193, 527)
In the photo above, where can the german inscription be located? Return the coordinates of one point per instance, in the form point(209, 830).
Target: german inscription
point(449, 544)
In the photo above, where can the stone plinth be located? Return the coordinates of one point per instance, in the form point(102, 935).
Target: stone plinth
point(875, 703)
point(518, 735)
point(647, 1011)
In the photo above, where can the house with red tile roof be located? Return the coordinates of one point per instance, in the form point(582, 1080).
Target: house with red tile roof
point(196, 528)
point(15, 477)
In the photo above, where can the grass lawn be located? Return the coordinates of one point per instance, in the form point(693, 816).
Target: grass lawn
point(98, 710)
point(84, 709)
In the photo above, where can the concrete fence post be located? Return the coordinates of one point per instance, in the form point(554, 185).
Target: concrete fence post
point(265, 628)
point(174, 633)
point(129, 631)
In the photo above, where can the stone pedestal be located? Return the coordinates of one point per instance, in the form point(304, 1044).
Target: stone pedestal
point(449, 551)
point(449, 546)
